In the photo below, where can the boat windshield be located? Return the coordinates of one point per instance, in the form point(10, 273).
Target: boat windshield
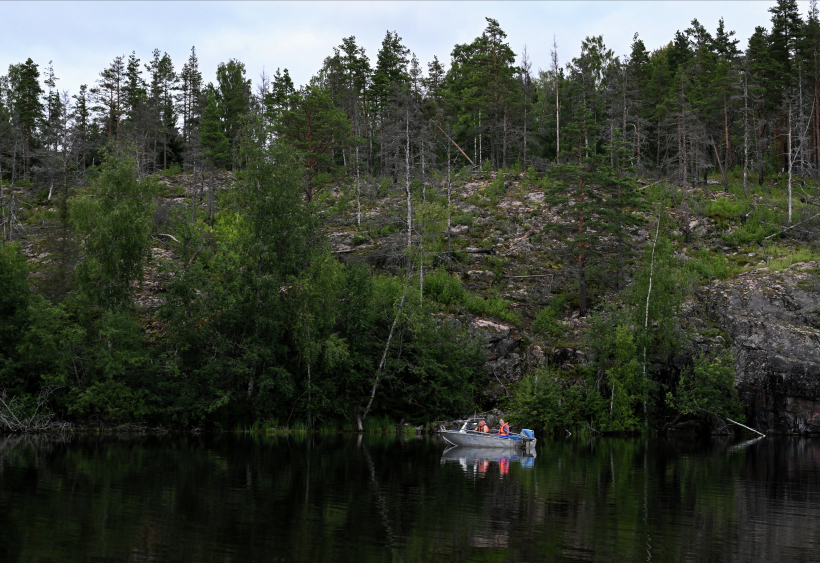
point(471, 424)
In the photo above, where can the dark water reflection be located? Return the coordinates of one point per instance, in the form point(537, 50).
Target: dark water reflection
point(230, 498)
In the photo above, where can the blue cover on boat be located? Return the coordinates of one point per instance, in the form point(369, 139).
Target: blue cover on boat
point(527, 433)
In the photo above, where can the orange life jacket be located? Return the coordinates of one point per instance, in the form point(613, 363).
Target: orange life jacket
point(504, 429)
point(482, 427)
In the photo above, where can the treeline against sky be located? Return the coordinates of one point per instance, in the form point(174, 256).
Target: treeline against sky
point(702, 102)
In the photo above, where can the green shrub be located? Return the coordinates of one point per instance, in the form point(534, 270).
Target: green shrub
point(444, 288)
point(761, 223)
point(360, 238)
point(726, 211)
point(385, 230)
point(447, 289)
point(463, 219)
point(171, 170)
point(710, 266)
point(547, 320)
point(493, 306)
point(707, 387)
point(551, 400)
point(496, 189)
point(784, 258)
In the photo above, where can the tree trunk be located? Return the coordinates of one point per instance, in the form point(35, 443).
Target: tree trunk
point(745, 137)
point(725, 169)
point(358, 192)
point(449, 213)
point(789, 156)
point(582, 285)
point(407, 176)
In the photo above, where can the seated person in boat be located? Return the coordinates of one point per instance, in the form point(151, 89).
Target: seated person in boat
point(503, 428)
point(482, 427)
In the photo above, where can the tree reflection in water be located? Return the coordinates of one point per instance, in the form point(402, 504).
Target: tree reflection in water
point(373, 498)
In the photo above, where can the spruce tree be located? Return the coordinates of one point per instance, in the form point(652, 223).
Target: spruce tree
point(234, 97)
point(27, 108)
point(211, 134)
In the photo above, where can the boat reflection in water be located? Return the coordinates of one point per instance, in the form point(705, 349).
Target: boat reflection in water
point(479, 461)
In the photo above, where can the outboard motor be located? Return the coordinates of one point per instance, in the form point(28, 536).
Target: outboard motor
point(528, 437)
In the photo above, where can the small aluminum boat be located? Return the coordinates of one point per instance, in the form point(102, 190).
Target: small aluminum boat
point(469, 437)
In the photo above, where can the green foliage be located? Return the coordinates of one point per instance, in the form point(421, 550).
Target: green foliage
point(493, 306)
point(547, 319)
point(15, 299)
point(172, 170)
point(467, 219)
point(448, 289)
point(707, 387)
point(627, 389)
point(762, 222)
point(317, 130)
point(725, 212)
point(212, 134)
point(710, 266)
point(233, 95)
point(553, 401)
point(496, 189)
point(783, 258)
point(445, 288)
point(114, 220)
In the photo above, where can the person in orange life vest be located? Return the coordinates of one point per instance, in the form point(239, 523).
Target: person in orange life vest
point(482, 427)
point(503, 428)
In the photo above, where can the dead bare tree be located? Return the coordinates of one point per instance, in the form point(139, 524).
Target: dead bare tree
point(16, 416)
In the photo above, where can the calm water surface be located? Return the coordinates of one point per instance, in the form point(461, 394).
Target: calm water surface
point(370, 498)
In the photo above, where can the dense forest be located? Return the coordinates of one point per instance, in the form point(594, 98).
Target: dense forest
point(251, 317)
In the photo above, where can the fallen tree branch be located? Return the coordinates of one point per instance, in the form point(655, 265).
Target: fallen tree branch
point(744, 426)
point(15, 417)
point(169, 236)
point(793, 226)
point(452, 141)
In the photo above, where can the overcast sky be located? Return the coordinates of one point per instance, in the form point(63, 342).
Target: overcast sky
point(81, 38)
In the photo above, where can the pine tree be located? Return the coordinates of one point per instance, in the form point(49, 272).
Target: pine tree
point(135, 88)
point(190, 97)
point(482, 79)
point(27, 109)
point(234, 97)
point(211, 133)
point(161, 99)
point(109, 95)
point(598, 199)
point(317, 130)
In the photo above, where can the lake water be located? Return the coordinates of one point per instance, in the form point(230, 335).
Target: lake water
point(371, 498)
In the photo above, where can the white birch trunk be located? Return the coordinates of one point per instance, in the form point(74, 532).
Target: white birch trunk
point(789, 124)
point(407, 176)
point(745, 136)
point(358, 192)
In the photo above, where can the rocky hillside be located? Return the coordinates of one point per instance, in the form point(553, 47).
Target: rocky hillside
point(768, 316)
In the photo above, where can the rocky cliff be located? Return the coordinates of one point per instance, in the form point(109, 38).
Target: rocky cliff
point(771, 323)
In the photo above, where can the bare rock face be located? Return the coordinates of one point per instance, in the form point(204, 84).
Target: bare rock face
point(505, 363)
point(772, 321)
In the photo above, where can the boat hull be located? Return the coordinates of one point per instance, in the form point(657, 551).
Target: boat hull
point(481, 440)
